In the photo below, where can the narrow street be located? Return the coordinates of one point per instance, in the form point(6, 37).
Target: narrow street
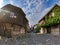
point(32, 39)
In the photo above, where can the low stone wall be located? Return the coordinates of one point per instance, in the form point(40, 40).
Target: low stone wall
point(55, 30)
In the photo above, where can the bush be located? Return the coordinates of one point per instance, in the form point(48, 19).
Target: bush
point(38, 28)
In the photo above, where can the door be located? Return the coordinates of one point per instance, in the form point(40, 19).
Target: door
point(8, 30)
point(1, 29)
point(48, 30)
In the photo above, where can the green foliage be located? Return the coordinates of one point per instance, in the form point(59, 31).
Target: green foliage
point(38, 28)
point(53, 20)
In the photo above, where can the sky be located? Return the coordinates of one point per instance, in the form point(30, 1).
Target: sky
point(34, 9)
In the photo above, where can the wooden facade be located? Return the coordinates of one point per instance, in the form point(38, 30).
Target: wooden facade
point(12, 21)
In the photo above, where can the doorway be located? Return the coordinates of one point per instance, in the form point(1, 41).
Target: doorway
point(48, 30)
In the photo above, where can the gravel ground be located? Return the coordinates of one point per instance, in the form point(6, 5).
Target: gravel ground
point(32, 39)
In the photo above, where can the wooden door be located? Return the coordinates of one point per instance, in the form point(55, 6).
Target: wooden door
point(1, 29)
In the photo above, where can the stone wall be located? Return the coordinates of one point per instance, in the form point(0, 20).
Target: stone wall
point(18, 33)
point(55, 30)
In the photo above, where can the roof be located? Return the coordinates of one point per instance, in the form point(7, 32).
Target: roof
point(13, 8)
point(48, 12)
point(20, 20)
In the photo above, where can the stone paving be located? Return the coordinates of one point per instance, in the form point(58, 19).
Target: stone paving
point(32, 39)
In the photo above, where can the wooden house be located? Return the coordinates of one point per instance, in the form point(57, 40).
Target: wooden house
point(12, 21)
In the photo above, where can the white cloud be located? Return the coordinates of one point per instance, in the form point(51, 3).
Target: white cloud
point(37, 15)
point(47, 0)
point(33, 17)
point(11, 2)
point(1, 3)
point(35, 11)
point(58, 3)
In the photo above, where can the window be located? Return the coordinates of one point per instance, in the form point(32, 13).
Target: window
point(12, 15)
point(9, 26)
point(17, 28)
point(52, 13)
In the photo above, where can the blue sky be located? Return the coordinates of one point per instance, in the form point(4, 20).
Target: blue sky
point(34, 9)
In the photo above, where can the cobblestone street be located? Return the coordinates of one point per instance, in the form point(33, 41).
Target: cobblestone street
point(32, 39)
